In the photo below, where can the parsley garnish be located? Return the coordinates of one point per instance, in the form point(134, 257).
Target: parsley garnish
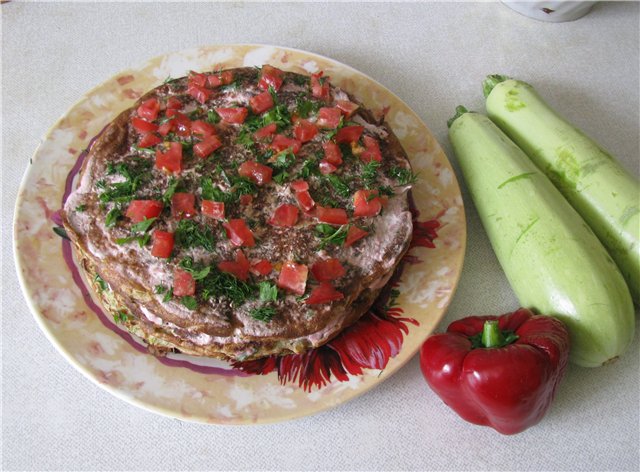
point(370, 173)
point(189, 234)
point(60, 231)
point(112, 217)
point(309, 167)
point(171, 189)
point(268, 291)
point(160, 289)
point(331, 235)
point(123, 192)
point(102, 285)
point(190, 302)
point(339, 185)
point(221, 284)
point(139, 232)
point(402, 175)
point(284, 160)
point(167, 296)
point(197, 272)
point(263, 313)
point(281, 177)
point(212, 117)
point(306, 107)
point(211, 192)
point(120, 317)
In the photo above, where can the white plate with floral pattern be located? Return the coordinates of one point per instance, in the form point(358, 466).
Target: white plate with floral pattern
point(211, 391)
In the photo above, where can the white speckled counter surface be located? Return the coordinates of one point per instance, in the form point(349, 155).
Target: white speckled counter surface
point(434, 57)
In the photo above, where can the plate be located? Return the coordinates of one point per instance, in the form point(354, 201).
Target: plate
point(212, 391)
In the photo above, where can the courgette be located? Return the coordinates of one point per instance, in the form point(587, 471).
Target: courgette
point(553, 261)
point(598, 187)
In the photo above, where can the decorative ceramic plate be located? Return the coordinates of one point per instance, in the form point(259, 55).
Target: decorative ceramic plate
point(211, 391)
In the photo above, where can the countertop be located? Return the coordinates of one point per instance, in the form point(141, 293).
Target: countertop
point(434, 56)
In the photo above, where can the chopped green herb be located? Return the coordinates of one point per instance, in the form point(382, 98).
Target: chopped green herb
point(212, 117)
point(263, 313)
point(190, 302)
point(331, 235)
point(81, 208)
point(305, 107)
point(102, 285)
point(328, 201)
point(309, 168)
point(284, 160)
point(281, 178)
point(402, 175)
point(243, 186)
point(160, 289)
point(339, 185)
point(369, 173)
point(221, 284)
point(121, 317)
point(167, 296)
point(197, 272)
point(211, 192)
point(189, 234)
point(121, 192)
point(143, 226)
point(60, 231)
point(268, 291)
point(171, 189)
point(386, 190)
point(112, 217)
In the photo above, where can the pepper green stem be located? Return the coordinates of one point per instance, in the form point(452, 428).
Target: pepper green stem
point(492, 335)
point(490, 82)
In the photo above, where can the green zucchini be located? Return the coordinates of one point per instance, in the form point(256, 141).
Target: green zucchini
point(602, 191)
point(553, 261)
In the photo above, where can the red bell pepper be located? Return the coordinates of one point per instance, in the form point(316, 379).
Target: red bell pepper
point(498, 371)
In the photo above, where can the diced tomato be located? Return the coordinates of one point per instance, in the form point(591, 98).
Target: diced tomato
point(349, 134)
point(199, 92)
point(174, 103)
point(299, 186)
point(183, 205)
point(234, 116)
point(261, 102)
point(319, 85)
point(354, 234)
point(261, 267)
point(366, 203)
point(223, 78)
point(171, 160)
point(148, 140)
point(293, 277)
point(270, 76)
point(181, 124)
point(140, 210)
point(239, 233)
point(305, 200)
point(324, 293)
point(149, 109)
point(143, 126)
point(205, 147)
point(162, 244)
point(281, 142)
point(213, 209)
point(332, 153)
point(346, 107)
point(238, 268)
point(196, 78)
point(183, 283)
point(246, 199)
point(329, 117)
point(305, 131)
point(265, 131)
point(202, 128)
point(258, 173)
point(165, 128)
point(285, 215)
point(326, 167)
point(371, 150)
point(327, 269)
point(334, 216)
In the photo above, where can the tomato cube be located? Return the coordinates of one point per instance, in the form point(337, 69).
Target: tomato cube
point(205, 147)
point(293, 277)
point(270, 77)
point(265, 131)
point(149, 109)
point(235, 115)
point(326, 270)
point(324, 293)
point(256, 172)
point(140, 210)
point(329, 117)
point(326, 167)
point(183, 205)
point(346, 107)
point(366, 203)
point(239, 233)
point(171, 160)
point(354, 234)
point(285, 215)
point(349, 134)
point(143, 126)
point(261, 267)
point(149, 140)
point(305, 131)
point(183, 283)
point(281, 142)
point(239, 268)
point(333, 216)
point(202, 128)
point(319, 85)
point(213, 209)
point(371, 150)
point(162, 244)
point(261, 102)
point(332, 153)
